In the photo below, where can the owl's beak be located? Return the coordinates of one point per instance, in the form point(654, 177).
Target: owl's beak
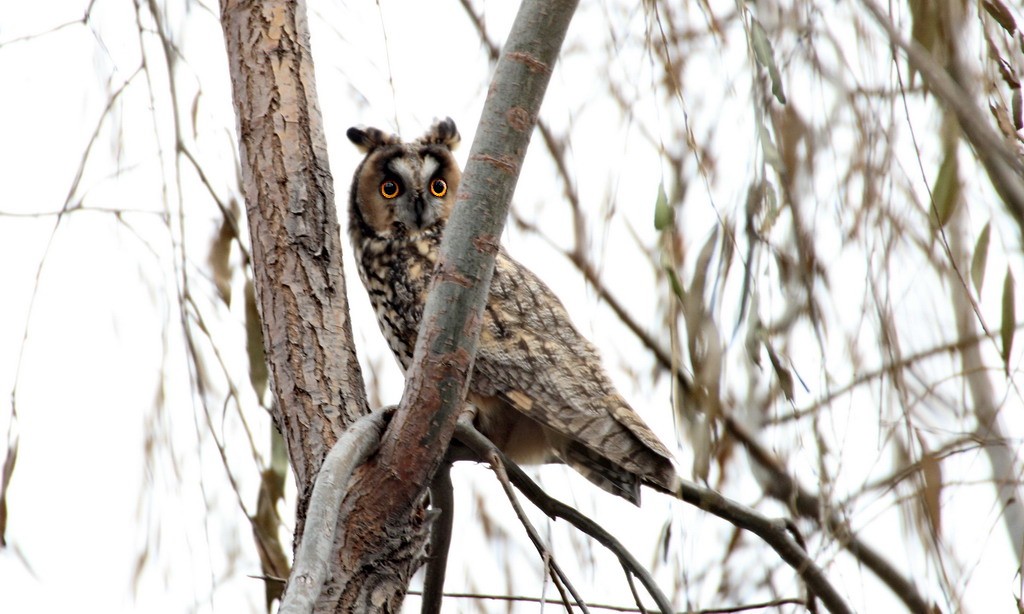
point(419, 207)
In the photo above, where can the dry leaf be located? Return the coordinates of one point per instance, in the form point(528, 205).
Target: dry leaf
point(980, 258)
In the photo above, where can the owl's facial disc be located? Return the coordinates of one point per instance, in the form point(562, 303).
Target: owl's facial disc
point(417, 207)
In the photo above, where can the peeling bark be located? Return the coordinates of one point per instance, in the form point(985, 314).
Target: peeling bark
point(293, 227)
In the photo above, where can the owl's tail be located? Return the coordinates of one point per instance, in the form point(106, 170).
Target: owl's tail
point(646, 467)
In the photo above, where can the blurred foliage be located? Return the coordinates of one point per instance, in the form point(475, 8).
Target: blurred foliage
point(808, 304)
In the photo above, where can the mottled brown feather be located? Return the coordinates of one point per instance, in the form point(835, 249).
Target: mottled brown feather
point(538, 386)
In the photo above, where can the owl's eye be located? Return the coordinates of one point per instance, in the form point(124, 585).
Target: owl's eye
point(389, 189)
point(438, 187)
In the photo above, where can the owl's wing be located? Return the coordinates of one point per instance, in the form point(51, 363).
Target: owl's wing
point(532, 357)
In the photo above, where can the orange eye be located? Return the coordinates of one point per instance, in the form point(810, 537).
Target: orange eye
point(438, 187)
point(389, 189)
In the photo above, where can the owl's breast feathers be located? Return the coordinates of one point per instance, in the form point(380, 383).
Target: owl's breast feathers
point(396, 274)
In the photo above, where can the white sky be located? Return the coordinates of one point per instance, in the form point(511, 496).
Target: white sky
point(115, 459)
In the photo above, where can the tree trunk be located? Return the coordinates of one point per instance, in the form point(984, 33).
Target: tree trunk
point(293, 227)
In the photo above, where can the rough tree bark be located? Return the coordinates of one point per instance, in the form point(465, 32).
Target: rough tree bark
point(293, 227)
point(300, 283)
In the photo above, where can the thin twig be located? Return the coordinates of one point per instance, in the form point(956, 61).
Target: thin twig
point(497, 461)
point(1002, 164)
point(479, 444)
point(775, 603)
point(781, 486)
point(888, 368)
point(774, 532)
point(632, 588)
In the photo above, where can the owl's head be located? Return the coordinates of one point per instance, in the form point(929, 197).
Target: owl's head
point(401, 189)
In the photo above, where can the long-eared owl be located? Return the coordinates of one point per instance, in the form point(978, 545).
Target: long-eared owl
point(538, 387)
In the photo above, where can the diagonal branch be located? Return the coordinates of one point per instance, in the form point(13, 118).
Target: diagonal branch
point(776, 533)
point(483, 448)
point(784, 488)
point(391, 490)
point(497, 461)
point(781, 486)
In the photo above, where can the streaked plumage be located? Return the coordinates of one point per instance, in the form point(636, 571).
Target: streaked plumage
point(540, 391)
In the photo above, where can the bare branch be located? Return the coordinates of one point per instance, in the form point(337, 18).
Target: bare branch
point(312, 556)
point(781, 485)
point(442, 504)
point(496, 460)
point(747, 607)
point(469, 436)
point(785, 489)
point(776, 533)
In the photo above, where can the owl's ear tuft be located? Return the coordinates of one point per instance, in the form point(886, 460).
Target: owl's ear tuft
point(442, 132)
point(368, 139)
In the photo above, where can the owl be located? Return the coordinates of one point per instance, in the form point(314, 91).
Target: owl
point(538, 389)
